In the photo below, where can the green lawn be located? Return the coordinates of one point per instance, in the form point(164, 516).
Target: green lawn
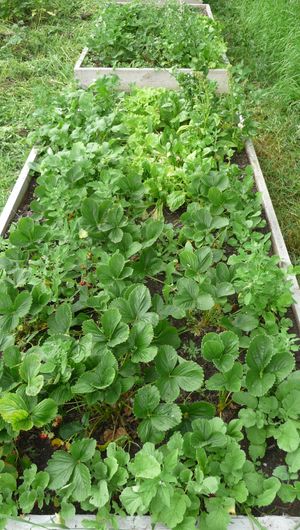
point(266, 37)
point(36, 59)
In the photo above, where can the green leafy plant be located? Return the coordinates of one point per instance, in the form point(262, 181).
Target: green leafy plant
point(144, 35)
point(142, 341)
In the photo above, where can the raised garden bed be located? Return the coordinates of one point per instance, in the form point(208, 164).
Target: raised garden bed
point(151, 68)
point(108, 150)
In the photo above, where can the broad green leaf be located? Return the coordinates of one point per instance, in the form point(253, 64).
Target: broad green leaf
point(244, 398)
point(187, 293)
point(270, 488)
point(29, 370)
point(27, 500)
point(193, 411)
point(187, 375)
point(27, 232)
point(293, 460)
point(60, 468)
point(100, 494)
point(81, 481)
point(135, 306)
point(115, 331)
point(139, 344)
point(44, 412)
point(93, 211)
point(151, 230)
point(259, 384)
point(22, 303)
point(146, 400)
point(291, 404)
point(145, 466)
point(221, 349)
point(173, 515)
point(217, 519)
point(175, 200)
point(233, 460)
point(259, 353)
point(131, 500)
point(287, 437)
point(83, 450)
point(230, 381)
point(40, 298)
point(13, 409)
point(166, 416)
point(67, 510)
point(282, 365)
point(246, 321)
point(139, 301)
point(205, 302)
point(113, 270)
point(259, 378)
point(8, 482)
point(209, 434)
point(60, 322)
point(101, 377)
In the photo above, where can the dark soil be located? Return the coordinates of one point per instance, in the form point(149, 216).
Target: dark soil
point(24, 208)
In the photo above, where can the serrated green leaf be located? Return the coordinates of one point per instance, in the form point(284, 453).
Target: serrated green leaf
point(44, 412)
point(146, 400)
point(60, 322)
point(60, 468)
point(145, 466)
point(81, 482)
point(287, 437)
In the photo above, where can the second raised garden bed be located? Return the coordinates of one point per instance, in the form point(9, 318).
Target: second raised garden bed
point(149, 130)
point(87, 70)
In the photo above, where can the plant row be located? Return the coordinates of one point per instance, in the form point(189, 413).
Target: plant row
point(146, 349)
point(156, 34)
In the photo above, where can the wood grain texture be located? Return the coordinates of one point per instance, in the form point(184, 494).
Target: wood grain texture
point(150, 77)
point(144, 523)
point(16, 196)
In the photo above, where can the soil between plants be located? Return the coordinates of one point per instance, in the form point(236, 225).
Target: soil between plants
point(120, 422)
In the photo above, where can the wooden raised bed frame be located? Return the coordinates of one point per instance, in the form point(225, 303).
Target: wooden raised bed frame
point(149, 77)
point(279, 248)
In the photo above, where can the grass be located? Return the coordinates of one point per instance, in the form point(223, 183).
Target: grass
point(36, 59)
point(265, 37)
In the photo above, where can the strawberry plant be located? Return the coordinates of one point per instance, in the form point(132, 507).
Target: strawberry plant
point(146, 345)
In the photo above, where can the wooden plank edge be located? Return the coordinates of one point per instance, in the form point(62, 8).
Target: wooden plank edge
point(279, 245)
point(144, 523)
point(188, 2)
point(88, 74)
point(144, 77)
point(15, 198)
